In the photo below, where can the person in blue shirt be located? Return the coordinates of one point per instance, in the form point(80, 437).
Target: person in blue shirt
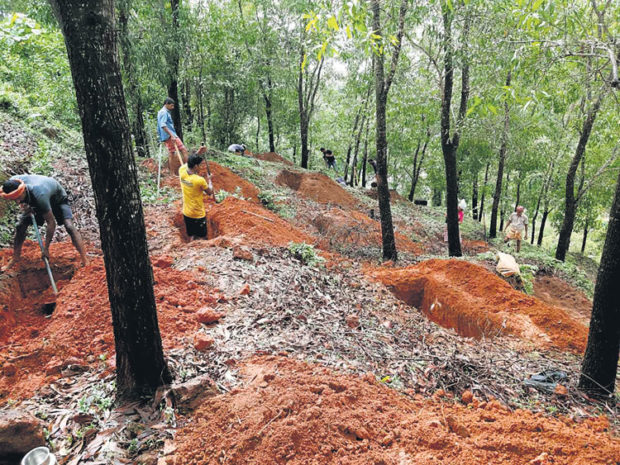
point(167, 135)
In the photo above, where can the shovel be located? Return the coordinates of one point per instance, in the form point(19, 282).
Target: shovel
point(48, 308)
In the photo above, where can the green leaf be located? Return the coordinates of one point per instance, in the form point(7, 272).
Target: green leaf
point(304, 61)
point(349, 35)
point(311, 24)
point(333, 23)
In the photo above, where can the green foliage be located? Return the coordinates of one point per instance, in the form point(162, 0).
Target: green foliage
point(528, 275)
point(98, 399)
point(305, 253)
point(222, 194)
point(149, 195)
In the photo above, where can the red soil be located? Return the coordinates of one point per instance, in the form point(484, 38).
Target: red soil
point(474, 247)
point(477, 303)
point(292, 413)
point(394, 195)
point(222, 177)
point(355, 228)
point(272, 156)
point(317, 187)
point(554, 291)
point(235, 217)
point(80, 329)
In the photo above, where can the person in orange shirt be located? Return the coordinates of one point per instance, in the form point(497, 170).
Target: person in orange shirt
point(194, 187)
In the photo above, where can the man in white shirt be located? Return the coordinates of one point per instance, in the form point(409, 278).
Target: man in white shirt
point(516, 228)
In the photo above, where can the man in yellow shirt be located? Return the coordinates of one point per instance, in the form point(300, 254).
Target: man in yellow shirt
point(194, 187)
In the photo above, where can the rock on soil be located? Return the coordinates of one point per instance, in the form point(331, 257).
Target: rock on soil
point(19, 433)
point(476, 303)
point(317, 187)
point(289, 412)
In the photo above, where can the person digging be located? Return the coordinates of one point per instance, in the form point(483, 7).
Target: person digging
point(194, 187)
point(47, 200)
point(516, 228)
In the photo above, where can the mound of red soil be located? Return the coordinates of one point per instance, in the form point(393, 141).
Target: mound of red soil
point(354, 228)
point(554, 291)
point(236, 217)
point(80, 329)
point(272, 156)
point(476, 303)
point(292, 413)
point(474, 247)
point(394, 196)
point(223, 179)
point(317, 187)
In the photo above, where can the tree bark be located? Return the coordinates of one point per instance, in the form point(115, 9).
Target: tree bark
point(365, 161)
point(269, 114)
point(382, 88)
point(173, 63)
point(484, 190)
point(503, 203)
point(570, 200)
point(89, 31)
point(541, 232)
point(306, 93)
point(133, 89)
point(450, 143)
point(474, 198)
point(600, 363)
point(186, 103)
point(500, 166)
point(585, 237)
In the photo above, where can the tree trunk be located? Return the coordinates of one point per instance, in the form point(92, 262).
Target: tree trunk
point(201, 110)
point(600, 363)
point(484, 190)
point(414, 180)
point(269, 115)
point(500, 166)
point(541, 232)
point(585, 237)
point(518, 193)
point(350, 147)
point(382, 87)
point(437, 196)
point(474, 198)
point(365, 161)
point(503, 203)
point(186, 104)
point(133, 89)
point(449, 144)
point(570, 201)
point(89, 31)
point(173, 84)
point(358, 139)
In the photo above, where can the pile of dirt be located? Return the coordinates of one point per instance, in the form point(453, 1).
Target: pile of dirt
point(317, 187)
point(476, 303)
point(235, 217)
point(394, 195)
point(223, 179)
point(554, 291)
point(294, 413)
point(80, 329)
point(353, 228)
point(474, 247)
point(274, 157)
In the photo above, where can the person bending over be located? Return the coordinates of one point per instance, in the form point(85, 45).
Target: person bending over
point(47, 200)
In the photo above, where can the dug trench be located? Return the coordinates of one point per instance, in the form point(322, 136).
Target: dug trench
point(476, 303)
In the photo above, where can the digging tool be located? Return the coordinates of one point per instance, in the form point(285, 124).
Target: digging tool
point(209, 179)
point(49, 306)
point(176, 150)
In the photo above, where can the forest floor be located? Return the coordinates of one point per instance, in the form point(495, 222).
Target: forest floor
point(285, 354)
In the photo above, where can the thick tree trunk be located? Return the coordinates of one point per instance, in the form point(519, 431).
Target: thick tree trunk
point(450, 143)
point(600, 363)
point(484, 190)
point(570, 200)
point(500, 166)
point(382, 87)
point(541, 232)
point(89, 30)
